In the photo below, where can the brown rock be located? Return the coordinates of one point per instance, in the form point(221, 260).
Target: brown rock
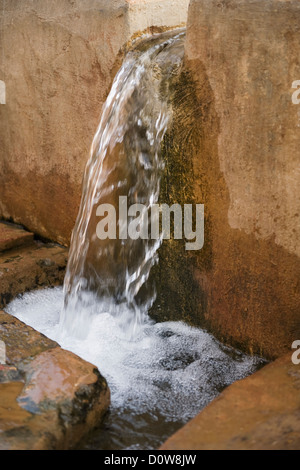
point(9, 374)
point(50, 398)
point(21, 340)
point(12, 416)
point(28, 268)
point(13, 237)
point(261, 412)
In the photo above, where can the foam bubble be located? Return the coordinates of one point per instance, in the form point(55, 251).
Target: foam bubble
point(169, 368)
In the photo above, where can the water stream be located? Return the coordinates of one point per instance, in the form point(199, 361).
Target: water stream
point(160, 374)
point(125, 162)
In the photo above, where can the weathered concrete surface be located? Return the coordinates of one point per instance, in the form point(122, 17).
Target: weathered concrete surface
point(49, 398)
point(30, 267)
point(143, 14)
point(244, 142)
point(260, 412)
point(58, 60)
point(13, 237)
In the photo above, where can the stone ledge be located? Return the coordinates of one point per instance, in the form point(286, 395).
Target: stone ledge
point(49, 397)
point(28, 268)
point(261, 412)
point(13, 237)
point(21, 340)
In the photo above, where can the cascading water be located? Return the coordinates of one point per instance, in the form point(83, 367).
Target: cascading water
point(160, 374)
point(125, 161)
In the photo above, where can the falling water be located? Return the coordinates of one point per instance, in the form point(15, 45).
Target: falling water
point(125, 161)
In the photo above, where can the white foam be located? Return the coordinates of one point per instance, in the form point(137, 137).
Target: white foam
point(169, 368)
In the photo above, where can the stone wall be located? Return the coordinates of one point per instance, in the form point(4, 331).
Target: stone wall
point(243, 56)
point(58, 59)
point(256, 413)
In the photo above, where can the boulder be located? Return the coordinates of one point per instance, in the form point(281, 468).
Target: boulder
point(12, 237)
point(49, 397)
point(30, 266)
point(260, 412)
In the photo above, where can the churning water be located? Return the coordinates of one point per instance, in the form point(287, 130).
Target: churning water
point(158, 380)
point(160, 374)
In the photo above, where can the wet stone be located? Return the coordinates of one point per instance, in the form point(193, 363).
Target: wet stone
point(49, 397)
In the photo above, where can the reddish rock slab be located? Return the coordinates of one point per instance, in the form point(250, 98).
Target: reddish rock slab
point(31, 267)
point(21, 340)
point(49, 398)
point(261, 412)
point(13, 237)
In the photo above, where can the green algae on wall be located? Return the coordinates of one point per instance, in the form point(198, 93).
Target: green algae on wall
point(179, 294)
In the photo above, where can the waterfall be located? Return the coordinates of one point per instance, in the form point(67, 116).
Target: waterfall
point(111, 275)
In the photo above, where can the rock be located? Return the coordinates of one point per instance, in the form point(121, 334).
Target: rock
point(49, 397)
point(21, 341)
point(32, 267)
point(243, 139)
point(9, 374)
point(13, 237)
point(58, 63)
point(261, 412)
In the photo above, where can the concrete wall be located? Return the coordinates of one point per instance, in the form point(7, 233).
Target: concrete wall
point(243, 56)
point(58, 59)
